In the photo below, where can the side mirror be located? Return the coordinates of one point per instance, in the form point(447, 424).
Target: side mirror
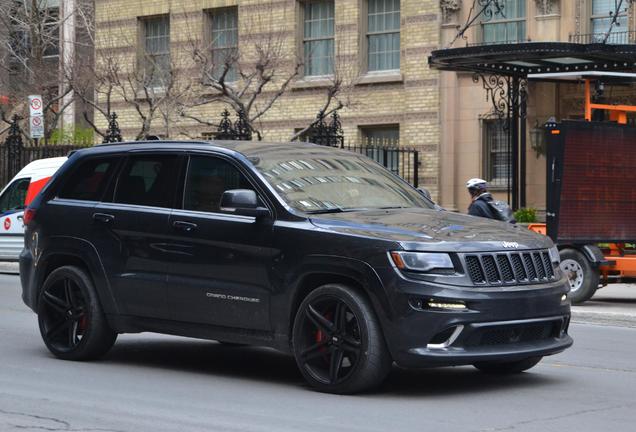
point(242, 202)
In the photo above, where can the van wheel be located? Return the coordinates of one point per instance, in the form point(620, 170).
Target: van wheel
point(338, 343)
point(71, 320)
point(582, 277)
point(508, 367)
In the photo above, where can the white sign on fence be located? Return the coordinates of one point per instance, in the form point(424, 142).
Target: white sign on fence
point(37, 126)
point(35, 105)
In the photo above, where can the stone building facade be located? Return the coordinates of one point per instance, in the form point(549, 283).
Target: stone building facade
point(394, 94)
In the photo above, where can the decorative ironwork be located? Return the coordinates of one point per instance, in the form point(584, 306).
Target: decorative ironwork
point(114, 133)
point(237, 131)
point(242, 127)
point(496, 88)
point(326, 132)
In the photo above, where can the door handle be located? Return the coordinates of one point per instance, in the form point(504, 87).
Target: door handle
point(103, 217)
point(184, 226)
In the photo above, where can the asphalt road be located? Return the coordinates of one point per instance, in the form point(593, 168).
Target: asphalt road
point(159, 383)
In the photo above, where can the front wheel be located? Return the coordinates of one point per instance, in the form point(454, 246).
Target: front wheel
point(70, 317)
point(338, 343)
point(583, 279)
point(508, 367)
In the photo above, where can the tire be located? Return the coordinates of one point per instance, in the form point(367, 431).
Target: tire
point(71, 320)
point(338, 343)
point(503, 368)
point(582, 277)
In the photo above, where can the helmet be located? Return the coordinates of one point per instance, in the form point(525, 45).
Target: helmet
point(476, 183)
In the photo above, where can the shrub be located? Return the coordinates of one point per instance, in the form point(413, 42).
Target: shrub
point(526, 215)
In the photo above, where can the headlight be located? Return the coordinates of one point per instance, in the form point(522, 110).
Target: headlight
point(554, 255)
point(421, 261)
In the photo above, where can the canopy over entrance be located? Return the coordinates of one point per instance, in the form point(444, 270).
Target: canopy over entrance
point(526, 58)
point(504, 71)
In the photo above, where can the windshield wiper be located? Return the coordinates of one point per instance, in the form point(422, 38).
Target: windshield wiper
point(325, 211)
point(337, 210)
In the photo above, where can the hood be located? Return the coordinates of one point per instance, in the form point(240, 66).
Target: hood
point(433, 230)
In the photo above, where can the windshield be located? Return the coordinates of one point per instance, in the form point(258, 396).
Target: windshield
point(320, 182)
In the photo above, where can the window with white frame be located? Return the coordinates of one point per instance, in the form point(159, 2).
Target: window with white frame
point(496, 152)
point(504, 21)
point(224, 42)
point(600, 22)
point(383, 35)
point(156, 40)
point(318, 37)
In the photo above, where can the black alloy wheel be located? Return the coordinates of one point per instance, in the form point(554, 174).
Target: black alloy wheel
point(64, 315)
point(70, 318)
point(338, 344)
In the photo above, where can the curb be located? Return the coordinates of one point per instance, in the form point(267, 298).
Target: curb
point(604, 318)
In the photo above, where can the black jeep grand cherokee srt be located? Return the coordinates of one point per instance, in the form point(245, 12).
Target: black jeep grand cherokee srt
point(315, 251)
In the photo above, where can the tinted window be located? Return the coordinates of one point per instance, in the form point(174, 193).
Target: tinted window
point(148, 180)
point(208, 178)
point(15, 195)
point(89, 181)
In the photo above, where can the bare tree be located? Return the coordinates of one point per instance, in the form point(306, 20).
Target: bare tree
point(149, 86)
point(251, 80)
point(30, 41)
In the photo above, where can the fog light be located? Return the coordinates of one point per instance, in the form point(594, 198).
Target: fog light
point(564, 297)
point(433, 304)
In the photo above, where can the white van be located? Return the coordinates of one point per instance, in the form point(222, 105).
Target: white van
point(15, 197)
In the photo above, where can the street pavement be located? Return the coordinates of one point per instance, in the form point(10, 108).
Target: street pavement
point(161, 383)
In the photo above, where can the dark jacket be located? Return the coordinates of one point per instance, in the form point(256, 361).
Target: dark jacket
point(480, 207)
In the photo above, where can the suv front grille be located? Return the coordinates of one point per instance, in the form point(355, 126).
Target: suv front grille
point(509, 268)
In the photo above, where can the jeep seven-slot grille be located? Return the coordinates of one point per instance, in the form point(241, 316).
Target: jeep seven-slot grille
point(508, 268)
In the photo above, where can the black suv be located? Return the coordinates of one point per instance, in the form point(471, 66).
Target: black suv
point(314, 251)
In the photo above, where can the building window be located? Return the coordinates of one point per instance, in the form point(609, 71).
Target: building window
point(383, 35)
point(318, 37)
point(51, 32)
point(156, 61)
point(496, 152)
point(601, 19)
point(381, 143)
point(506, 23)
point(224, 42)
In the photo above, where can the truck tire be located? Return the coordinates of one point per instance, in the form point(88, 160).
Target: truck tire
point(583, 278)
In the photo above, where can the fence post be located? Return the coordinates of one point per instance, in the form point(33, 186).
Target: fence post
point(14, 148)
point(416, 166)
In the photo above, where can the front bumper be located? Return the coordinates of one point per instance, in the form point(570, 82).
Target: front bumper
point(509, 324)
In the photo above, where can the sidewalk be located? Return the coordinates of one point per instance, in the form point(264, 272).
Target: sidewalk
point(9, 267)
point(613, 305)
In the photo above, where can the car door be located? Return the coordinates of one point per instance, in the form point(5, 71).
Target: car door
point(131, 232)
point(11, 218)
point(219, 271)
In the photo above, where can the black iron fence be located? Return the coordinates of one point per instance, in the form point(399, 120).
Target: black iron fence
point(402, 161)
point(13, 160)
point(15, 154)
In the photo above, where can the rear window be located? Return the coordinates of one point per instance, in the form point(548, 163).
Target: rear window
point(148, 180)
point(89, 181)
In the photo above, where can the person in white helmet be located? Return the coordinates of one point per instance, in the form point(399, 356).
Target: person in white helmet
point(479, 206)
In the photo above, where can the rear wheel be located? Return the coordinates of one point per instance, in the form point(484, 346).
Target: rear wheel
point(583, 279)
point(338, 343)
point(508, 367)
point(71, 320)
